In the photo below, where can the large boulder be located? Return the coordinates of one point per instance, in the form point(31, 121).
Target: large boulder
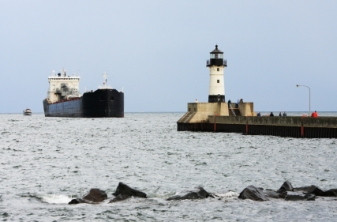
point(197, 193)
point(124, 189)
point(123, 192)
point(286, 186)
point(94, 196)
point(253, 193)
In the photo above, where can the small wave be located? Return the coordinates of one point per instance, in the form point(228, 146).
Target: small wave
point(56, 199)
point(229, 194)
point(31, 196)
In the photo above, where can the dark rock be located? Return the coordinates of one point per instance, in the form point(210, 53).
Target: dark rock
point(286, 186)
point(198, 193)
point(317, 191)
point(295, 196)
point(273, 194)
point(96, 195)
point(125, 190)
point(330, 193)
point(310, 189)
point(310, 196)
point(305, 189)
point(119, 197)
point(253, 193)
point(76, 201)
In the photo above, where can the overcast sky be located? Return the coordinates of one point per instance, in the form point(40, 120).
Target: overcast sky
point(156, 51)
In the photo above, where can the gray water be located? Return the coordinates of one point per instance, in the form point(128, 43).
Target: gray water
point(47, 161)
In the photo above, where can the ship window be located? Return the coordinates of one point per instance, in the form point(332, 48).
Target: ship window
point(218, 81)
point(112, 98)
point(189, 109)
point(195, 109)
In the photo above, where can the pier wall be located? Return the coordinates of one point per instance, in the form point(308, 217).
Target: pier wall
point(306, 127)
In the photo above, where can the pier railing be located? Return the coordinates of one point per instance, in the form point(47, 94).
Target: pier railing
point(279, 121)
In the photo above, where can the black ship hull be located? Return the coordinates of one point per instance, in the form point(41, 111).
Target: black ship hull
point(100, 103)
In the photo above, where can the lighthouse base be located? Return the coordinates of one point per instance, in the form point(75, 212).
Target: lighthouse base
point(216, 98)
point(200, 112)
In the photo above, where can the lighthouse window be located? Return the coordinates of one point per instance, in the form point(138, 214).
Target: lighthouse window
point(217, 69)
point(218, 81)
point(112, 98)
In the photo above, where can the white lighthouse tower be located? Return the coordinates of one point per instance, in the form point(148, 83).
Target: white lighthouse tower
point(216, 66)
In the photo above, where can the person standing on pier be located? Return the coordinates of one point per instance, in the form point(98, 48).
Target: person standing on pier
point(314, 114)
point(284, 113)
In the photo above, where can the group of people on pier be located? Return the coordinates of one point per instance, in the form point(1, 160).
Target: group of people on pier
point(314, 114)
point(272, 114)
point(236, 104)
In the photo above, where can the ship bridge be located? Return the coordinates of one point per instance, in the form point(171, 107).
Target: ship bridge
point(62, 87)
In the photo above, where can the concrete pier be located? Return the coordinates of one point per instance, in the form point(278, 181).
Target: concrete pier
point(305, 127)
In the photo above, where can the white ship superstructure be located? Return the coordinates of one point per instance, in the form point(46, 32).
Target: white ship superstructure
point(63, 87)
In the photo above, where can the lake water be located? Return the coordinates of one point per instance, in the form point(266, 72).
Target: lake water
point(45, 162)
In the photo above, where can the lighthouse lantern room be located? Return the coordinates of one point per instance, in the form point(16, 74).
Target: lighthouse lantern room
point(216, 66)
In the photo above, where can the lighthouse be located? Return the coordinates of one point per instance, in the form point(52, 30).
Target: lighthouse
point(216, 66)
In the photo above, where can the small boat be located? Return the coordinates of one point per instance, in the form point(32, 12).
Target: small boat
point(27, 112)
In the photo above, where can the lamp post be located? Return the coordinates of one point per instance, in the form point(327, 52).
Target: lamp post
point(309, 96)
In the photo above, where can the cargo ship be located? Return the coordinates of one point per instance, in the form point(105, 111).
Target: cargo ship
point(64, 99)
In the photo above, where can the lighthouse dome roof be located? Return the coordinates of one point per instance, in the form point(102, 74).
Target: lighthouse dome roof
point(216, 50)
